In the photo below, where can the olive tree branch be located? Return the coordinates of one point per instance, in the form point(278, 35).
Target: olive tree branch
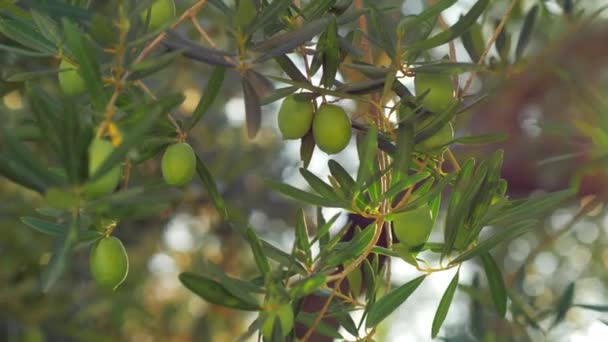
point(495, 35)
point(119, 85)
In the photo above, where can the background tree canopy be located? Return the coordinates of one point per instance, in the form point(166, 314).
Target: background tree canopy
point(314, 170)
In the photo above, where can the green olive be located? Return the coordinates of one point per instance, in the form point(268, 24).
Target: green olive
point(295, 117)
point(161, 12)
point(437, 141)
point(70, 81)
point(99, 150)
point(441, 91)
point(178, 164)
point(284, 313)
point(103, 30)
point(109, 262)
point(245, 12)
point(331, 129)
point(413, 227)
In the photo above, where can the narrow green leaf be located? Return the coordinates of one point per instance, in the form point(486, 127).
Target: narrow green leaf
point(269, 14)
point(214, 292)
point(318, 185)
point(473, 42)
point(496, 283)
point(300, 195)
point(528, 208)
point(503, 43)
point(242, 289)
point(290, 68)
point(282, 258)
point(564, 304)
point(207, 178)
point(253, 108)
point(526, 32)
point(422, 198)
point(258, 253)
point(23, 160)
point(47, 27)
point(61, 256)
point(24, 33)
point(278, 94)
point(308, 285)
point(331, 55)
point(405, 148)
point(43, 226)
point(324, 228)
point(23, 52)
point(481, 139)
point(444, 305)
point(367, 156)
point(307, 148)
point(461, 26)
point(346, 251)
point(447, 68)
point(88, 67)
point(594, 307)
point(502, 236)
point(152, 65)
point(454, 216)
point(19, 174)
point(302, 241)
point(389, 303)
point(285, 42)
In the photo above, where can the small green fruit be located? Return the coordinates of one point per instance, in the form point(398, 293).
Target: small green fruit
point(284, 314)
point(437, 141)
point(441, 91)
point(162, 11)
point(413, 227)
point(331, 129)
point(295, 117)
point(103, 30)
point(245, 12)
point(178, 164)
point(99, 150)
point(70, 81)
point(109, 262)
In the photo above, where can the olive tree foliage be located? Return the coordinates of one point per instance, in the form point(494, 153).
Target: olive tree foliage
point(105, 122)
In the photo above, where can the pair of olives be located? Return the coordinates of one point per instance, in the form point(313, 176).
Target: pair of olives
point(439, 89)
point(330, 124)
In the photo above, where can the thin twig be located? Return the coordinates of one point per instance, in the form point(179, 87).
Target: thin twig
point(497, 32)
point(119, 86)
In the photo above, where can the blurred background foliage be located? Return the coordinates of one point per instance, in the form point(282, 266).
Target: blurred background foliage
point(553, 106)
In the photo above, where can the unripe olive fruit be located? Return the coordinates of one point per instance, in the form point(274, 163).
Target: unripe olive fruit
point(295, 117)
point(284, 314)
point(70, 81)
point(245, 12)
point(109, 262)
point(438, 140)
point(178, 164)
point(162, 11)
point(413, 227)
point(99, 150)
point(331, 128)
point(103, 30)
point(441, 90)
